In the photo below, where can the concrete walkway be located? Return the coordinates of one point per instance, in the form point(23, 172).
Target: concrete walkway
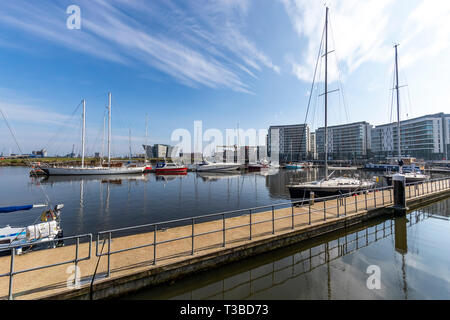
point(56, 282)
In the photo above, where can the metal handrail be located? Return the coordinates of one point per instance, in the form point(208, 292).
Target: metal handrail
point(250, 211)
point(224, 228)
point(76, 260)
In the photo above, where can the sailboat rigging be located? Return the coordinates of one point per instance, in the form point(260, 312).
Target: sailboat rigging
point(327, 186)
point(97, 170)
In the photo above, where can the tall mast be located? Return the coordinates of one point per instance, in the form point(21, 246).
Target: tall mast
point(326, 93)
point(109, 129)
point(398, 111)
point(129, 141)
point(103, 138)
point(146, 136)
point(83, 134)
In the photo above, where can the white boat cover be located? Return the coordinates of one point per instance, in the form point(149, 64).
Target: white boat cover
point(42, 230)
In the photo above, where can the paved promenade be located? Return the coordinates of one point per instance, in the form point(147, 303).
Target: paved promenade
point(210, 241)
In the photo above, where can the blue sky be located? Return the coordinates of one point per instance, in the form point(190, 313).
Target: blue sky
point(224, 62)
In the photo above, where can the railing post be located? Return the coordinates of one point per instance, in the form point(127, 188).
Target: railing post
point(390, 195)
point(309, 212)
point(273, 221)
point(223, 228)
point(337, 205)
point(154, 244)
point(108, 274)
point(192, 236)
point(375, 197)
point(356, 203)
point(250, 210)
point(11, 270)
point(365, 198)
point(382, 195)
point(76, 262)
point(345, 205)
point(292, 209)
point(325, 210)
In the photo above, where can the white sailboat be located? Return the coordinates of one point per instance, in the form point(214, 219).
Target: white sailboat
point(414, 175)
point(328, 186)
point(97, 170)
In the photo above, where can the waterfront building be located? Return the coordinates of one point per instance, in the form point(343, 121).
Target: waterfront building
point(312, 146)
point(426, 137)
point(39, 153)
point(345, 142)
point(286, 143)
point(160, 151)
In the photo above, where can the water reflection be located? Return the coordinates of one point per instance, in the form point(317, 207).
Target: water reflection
point(334, 266)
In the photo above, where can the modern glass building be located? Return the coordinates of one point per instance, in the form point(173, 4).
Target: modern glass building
point(345, 142)
point(288, 143)
point(425, 137)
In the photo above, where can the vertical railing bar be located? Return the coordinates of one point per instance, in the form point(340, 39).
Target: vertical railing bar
point(345, 205)
point(365, 198)
point(76, 261)
point(154, 244)
point(324, 210)
point(356, 203)
point(273, 221)
point(223, 228)
point(292, 211)
point(309, 211)
point(337, 204)
point(375, 198)
point(11, 275)
point(192, 252)
point(108, 274)
point(250, 210)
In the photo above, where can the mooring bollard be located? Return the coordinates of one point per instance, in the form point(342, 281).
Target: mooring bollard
point(399, 182)
point(311, 197)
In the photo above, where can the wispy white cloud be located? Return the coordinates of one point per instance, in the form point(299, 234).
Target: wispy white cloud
point(426, 32)
point(198, 43)
point(357, 34)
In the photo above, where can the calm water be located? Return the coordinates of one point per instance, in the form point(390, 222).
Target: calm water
point(93, 204)
point(412, 252)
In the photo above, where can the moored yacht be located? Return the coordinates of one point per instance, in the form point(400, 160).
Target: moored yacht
point(170, 168)
point(98, 170)
point(47, 229)
point(327, 186)
point(217, 166)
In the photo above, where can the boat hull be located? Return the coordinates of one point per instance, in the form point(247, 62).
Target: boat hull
point(408, 179)
point(71, 171)
point(218, 168)
point(323, 190)
point(171, 171)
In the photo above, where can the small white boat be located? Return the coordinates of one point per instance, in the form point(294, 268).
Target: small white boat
point(217, 166)
point(47, 229)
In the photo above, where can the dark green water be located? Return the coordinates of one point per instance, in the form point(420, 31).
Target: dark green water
point(412, 254)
